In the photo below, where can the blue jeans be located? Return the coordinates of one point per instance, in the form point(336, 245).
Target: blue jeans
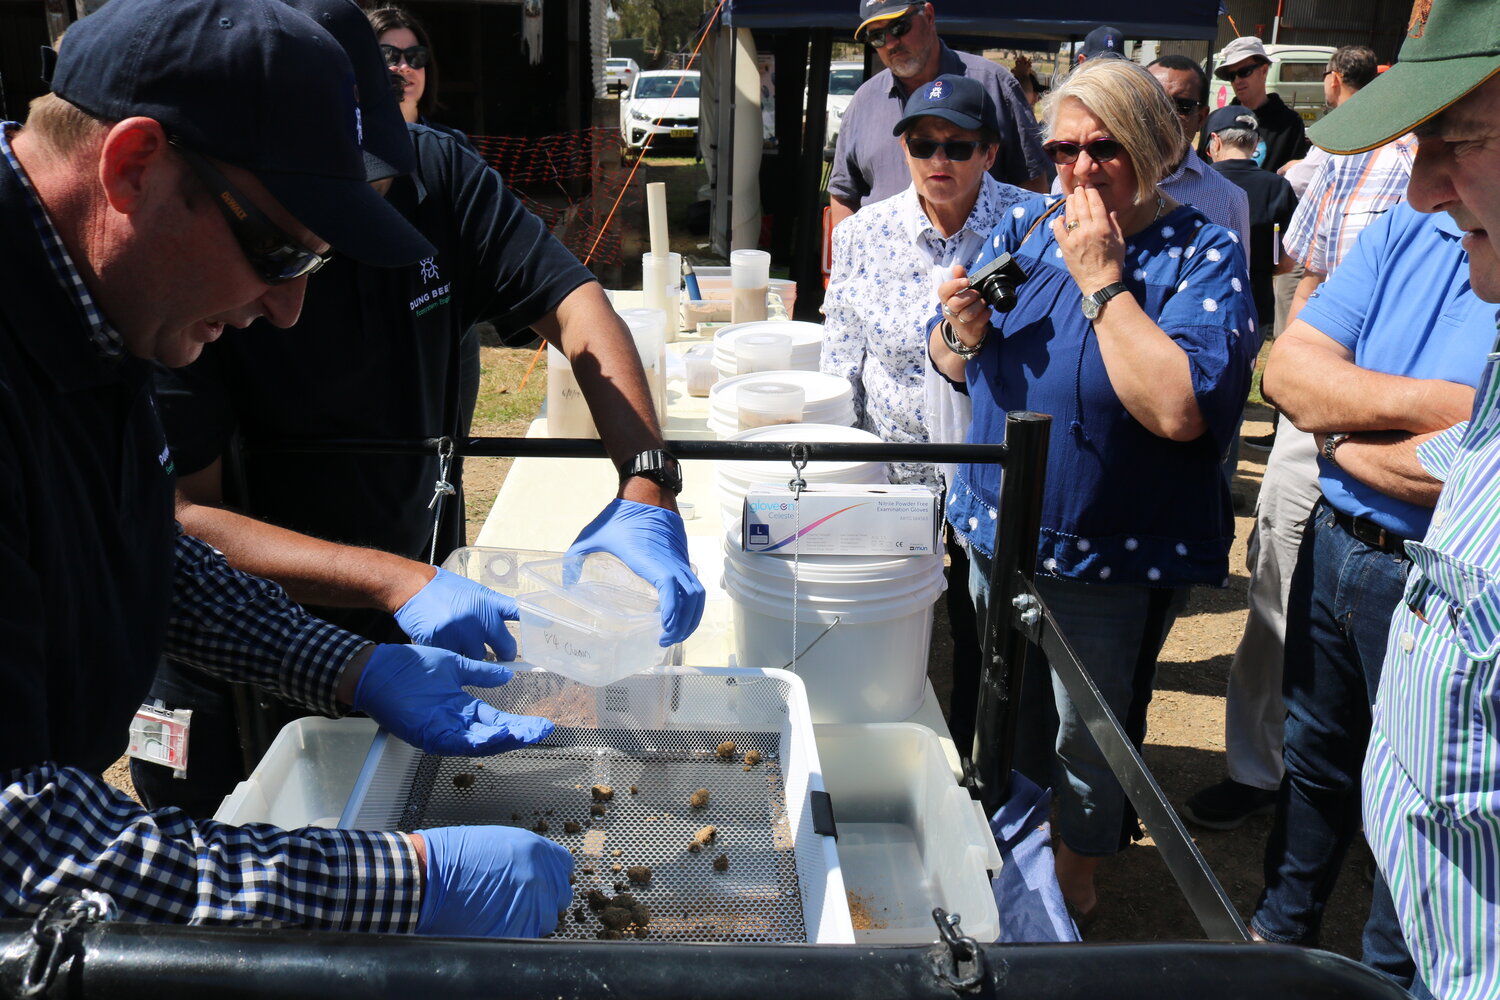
point(1117, 632)
point(1338, 616)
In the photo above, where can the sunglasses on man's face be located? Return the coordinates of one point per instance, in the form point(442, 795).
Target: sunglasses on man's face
point(877, 37)
point(956, 150)
point(275, 256)
point(1185, 106)
point(416, 56)
point(1244, 71)
point(1099, 150)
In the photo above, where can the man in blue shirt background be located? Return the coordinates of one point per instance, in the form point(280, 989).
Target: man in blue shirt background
point(1369, 364)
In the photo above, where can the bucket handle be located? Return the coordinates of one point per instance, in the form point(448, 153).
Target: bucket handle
point(790, 664)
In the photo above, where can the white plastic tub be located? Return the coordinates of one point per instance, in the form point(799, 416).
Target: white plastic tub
point(305, 777)
point(909, 837)
point(872, 665)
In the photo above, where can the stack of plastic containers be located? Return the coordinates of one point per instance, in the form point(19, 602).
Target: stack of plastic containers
point(827, 399)
point(807, 345)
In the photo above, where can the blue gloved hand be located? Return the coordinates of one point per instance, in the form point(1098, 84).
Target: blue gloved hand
point(416, 692)
point(458, 614)
point(493, 881)
point(652, 542)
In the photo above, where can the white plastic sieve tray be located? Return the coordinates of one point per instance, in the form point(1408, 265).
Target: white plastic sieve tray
point(659, 733)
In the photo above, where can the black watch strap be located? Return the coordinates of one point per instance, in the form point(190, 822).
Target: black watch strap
point(657, 466)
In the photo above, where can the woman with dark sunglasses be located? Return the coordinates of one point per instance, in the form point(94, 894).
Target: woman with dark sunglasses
point(1134, 329)
point(888, 259)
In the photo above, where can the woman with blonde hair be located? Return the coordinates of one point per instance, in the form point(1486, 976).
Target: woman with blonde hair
point(1134, 329)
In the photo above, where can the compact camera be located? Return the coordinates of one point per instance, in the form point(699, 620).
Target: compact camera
point(996, 282)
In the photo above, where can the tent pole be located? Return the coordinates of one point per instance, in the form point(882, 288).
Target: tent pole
point(807, 268)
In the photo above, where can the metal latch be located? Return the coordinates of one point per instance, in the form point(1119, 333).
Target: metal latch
point(956, 959)
point(54, 936)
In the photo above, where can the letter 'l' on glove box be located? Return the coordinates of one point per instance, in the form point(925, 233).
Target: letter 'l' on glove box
point(830, 519)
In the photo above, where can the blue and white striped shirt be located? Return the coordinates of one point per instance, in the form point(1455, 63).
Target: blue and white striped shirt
point(1346, 195)
point(1432, 772)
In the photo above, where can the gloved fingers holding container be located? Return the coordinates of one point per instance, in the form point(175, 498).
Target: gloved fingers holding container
point(459, 614)
point(653, 543)
point(417, 692)
point(491, 881)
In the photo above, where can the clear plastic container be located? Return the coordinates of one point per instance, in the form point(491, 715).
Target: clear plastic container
point(696, 312)
point(750, 272)
point(762, 352)
point(589, 618)
point(701, 373)
point(762, 404)
point(786, 289)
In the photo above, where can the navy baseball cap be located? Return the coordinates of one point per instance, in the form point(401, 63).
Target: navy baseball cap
point(1231, 116)
point(387, 145)
point(958, 99)
point(1103, 41)
point(871, 11)
point(255, 84)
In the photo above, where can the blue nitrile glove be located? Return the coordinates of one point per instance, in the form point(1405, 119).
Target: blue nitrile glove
point(416, 692)
point(652, 542)
point(456, 613)
point(493, 881)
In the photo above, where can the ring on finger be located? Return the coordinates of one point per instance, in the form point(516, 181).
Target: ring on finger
point(1070, 226)
point(950, 313)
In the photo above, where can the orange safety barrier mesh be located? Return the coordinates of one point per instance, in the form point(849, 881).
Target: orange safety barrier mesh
point(570, 182)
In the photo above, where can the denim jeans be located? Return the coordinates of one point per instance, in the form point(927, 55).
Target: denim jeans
point(1338, 616)
point(1117, 632)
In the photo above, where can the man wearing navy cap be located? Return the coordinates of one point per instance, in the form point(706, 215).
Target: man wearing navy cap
point(181, 179)
point(1231, 146)
point(868, 165)
point(1104, 42)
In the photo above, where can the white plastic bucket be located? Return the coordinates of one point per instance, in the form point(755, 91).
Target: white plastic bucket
point(735, 479)
point(872, 665)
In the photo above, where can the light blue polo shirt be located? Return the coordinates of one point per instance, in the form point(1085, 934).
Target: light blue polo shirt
point(1401, 301)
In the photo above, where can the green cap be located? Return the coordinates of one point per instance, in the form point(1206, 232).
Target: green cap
point(1451, 47)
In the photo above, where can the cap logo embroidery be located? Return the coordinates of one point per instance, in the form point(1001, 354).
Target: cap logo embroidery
point(936, 93)
point(1420, 11)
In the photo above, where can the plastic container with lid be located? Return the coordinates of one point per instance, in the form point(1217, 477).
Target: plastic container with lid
point(763, 351)
point(764, 403)
point(701, 373)
point(589, 618)
point(750, 274)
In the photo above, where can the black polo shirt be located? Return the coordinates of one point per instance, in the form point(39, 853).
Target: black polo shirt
point(1272, 202)
point(86, 531)
point(376, 354)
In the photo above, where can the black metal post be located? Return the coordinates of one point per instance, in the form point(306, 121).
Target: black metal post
point(807, 268)
point(1003, 646)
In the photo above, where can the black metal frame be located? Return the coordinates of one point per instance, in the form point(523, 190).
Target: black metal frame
point(1016, 616)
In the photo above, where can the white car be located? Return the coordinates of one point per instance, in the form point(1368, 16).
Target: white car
point(844, 79)
point(661, 104)
point(619, 73)
point(1296, 75)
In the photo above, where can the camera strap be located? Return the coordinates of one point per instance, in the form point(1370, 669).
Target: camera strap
point(1039, 220)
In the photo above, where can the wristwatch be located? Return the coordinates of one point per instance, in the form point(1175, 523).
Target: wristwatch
point(657, 466)
point(1331, 443)
point(1093, 303)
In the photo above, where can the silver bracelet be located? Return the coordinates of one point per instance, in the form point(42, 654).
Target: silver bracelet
point(950, 339)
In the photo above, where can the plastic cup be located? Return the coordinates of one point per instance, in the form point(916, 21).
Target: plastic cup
point(762, 352)
point(750, 274)
point(661, 281)
point(648, 330)
point(787, 289)
point(701, 372)
point(762, 404)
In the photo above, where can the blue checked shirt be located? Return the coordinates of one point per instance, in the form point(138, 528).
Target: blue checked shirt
point(1432, 772)
point(1346, 195)
point(63, 829)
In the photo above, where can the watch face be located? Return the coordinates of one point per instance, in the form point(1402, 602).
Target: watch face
point(1090, 308)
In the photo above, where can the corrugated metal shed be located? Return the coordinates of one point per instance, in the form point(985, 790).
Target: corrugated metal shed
point(1380, 24)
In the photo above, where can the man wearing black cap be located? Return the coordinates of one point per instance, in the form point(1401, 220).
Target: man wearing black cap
point(1104, 42)
point(1246, 65)
point(179, 180)
point(868, 165)
point(1231, 146)
point(393, 335)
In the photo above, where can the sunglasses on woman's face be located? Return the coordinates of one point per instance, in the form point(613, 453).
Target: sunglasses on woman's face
point(956, 150)
point(1099, 150)
point(877, 37)
point(416, 57)
point(274, 256)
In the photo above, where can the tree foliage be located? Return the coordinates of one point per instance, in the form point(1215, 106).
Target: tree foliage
point(664, 25)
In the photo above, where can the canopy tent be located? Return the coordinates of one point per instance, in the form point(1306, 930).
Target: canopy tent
point(801, 32)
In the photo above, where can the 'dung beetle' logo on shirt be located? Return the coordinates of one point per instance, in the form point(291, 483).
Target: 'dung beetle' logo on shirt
point(429, 269)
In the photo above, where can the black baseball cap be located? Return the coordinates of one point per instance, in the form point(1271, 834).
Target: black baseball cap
point(1231, 116)
point(387, 145)
point(255, 84)
point(1103, 41)
point(958, 99)
point(871, 11)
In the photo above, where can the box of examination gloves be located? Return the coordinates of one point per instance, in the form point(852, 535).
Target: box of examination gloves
point(830, 519)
